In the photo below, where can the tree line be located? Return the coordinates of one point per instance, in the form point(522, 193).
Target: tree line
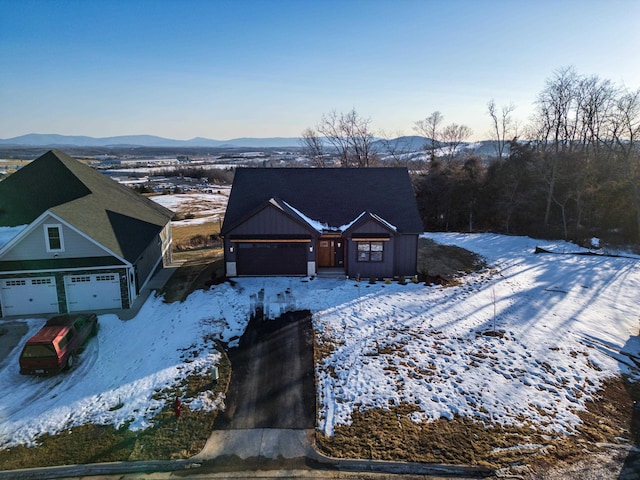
point(573, 171)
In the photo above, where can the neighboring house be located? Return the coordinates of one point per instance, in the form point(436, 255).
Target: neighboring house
point(362, 222)
point(72, 239)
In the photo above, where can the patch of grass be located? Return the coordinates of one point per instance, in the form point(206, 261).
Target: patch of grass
point(446, 260)
point(390, 434)
point(183, 233)
point(197, 236)
point(167, 438)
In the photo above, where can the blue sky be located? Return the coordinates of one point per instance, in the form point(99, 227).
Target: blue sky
point(224, 69)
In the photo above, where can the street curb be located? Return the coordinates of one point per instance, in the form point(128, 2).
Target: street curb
point(111, 468)
point(340, 464)
point(405, 468)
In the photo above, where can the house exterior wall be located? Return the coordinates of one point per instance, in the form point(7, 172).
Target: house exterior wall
point(166, 237)
point(33, 246)
point(60, 287)
point(78, 249)
point(269, 222)
point(147, 262)
point(406, 255)
point(382, 269)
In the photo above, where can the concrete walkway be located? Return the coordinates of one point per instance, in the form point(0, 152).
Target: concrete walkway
point(270, 443)
point(277, 445)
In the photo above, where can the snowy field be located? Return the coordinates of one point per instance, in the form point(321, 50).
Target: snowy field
point(205, 207)
point(567, 322)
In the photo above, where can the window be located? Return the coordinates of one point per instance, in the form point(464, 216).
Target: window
point(80, 323)
point(80, 279)
point(105, 278)
point(370, 251)
point(53, 237)
point(39, 351)
point(65, 340)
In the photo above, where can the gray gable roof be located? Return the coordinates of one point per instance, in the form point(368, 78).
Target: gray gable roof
point(333, 196)
point(115, 216)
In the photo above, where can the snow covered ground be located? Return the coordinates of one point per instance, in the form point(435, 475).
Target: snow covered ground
point(206, 207)
point(567, 323)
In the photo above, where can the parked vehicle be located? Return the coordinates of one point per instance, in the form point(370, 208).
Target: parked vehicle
point(55, 346)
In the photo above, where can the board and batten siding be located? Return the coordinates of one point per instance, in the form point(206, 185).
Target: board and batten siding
point(382, 269)
point(270, 221)
point(34, 247)
point(406, 254)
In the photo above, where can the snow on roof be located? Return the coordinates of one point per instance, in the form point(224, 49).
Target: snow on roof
point(384, 222)
point(323, 227)
point(348, 225)
point(9, 233)
point(315, 224)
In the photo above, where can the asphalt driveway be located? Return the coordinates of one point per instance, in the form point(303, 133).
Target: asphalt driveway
point(11, 333)
point(272, 384)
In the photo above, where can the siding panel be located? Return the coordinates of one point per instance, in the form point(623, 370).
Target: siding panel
point(406, 250)
point(270, 221)
point(33, 246)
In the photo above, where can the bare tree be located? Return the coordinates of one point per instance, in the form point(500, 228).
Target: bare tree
point(556, 125)
point(504, 128)
point(625, 130)
point(351, 136)
point(313, 147)
point(330, 128)
point(597, 100)
point(430, 128)
point(359, 137)
point(595, 103)
point(453, 135)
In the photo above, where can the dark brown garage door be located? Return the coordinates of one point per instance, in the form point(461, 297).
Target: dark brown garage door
point(267, 258)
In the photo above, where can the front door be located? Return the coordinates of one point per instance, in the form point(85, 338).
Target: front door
point(330, 252)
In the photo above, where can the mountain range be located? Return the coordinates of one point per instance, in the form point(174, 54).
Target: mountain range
point(400, 145)
point(53, 140)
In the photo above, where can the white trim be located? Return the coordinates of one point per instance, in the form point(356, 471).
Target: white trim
point(87, 237)
point(53, 270)
point(311, 269)
point(111, 285)
point(231, 269)
point(131, 285)
point(7, 246)
point(32, 226)
point(47, 238)
point(18, 306)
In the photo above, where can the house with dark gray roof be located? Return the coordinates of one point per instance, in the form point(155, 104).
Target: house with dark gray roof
point(72, 239)
point(360, 222)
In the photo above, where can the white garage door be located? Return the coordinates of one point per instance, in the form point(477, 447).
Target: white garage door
point(93, 292)
point(28, 296)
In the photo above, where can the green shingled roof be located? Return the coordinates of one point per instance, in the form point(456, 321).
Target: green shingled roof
point(115, 216)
